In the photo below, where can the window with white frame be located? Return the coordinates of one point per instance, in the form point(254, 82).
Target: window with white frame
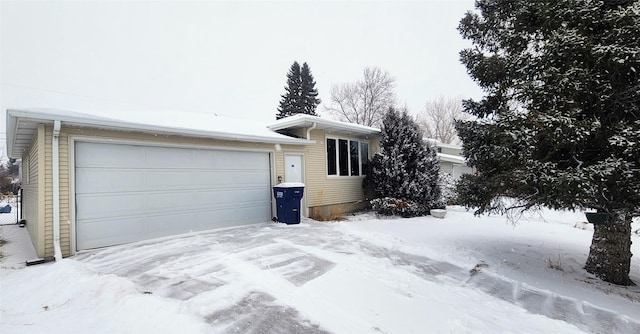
point(347, 157)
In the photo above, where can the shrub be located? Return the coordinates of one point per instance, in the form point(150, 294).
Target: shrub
point(448, 193)
point(395, 207)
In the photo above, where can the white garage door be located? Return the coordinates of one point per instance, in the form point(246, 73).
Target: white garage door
point(127, 193)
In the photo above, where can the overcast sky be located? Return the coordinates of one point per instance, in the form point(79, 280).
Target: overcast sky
point(229, 58)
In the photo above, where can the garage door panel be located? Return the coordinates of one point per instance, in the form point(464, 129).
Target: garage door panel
point(101, 155)
point(100, 233)
point(247, 161)
point(216, 179)
point(108, 205)
point(212, 159)
point(91, 180)
point(229, 217)
point(156, 157)
point(170, 201)
point(169, 179)
point(248, 178)
point(142, 192)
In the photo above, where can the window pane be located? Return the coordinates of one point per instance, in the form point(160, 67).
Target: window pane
point(331, 156)
point(364, 157)
point(355, 161)
point(343, 157)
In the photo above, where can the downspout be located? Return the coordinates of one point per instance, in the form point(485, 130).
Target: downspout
point(309, 130)
point(56, 190)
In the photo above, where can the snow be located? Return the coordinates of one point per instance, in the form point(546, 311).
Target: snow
point(461, 274)
point(171, 121)
point(290, 185)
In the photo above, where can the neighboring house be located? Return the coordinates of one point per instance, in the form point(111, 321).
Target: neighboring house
point(92, 181)
point(451, 159)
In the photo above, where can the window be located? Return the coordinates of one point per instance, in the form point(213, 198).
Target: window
point(354, 158)
point(364, 157)
point(331, 157)
point(347, 157)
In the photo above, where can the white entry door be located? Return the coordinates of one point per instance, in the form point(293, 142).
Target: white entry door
point(127, 193)
point(293, 168)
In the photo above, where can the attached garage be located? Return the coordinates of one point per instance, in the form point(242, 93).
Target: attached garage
point(102, 179)
point(126, 193)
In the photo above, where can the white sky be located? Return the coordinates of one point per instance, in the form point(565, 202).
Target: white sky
point(229, 58)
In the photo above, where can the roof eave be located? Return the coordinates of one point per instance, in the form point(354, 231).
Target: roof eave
point(14, 117)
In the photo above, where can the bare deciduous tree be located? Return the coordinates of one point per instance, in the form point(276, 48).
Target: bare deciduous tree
point(366, 101)
point(438, 117)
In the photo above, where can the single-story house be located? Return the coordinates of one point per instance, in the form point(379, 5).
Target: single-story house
point(92, 181)
point(451, 159)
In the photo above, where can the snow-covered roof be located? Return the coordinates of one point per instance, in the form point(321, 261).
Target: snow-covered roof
point(438, 143)
point(307, 121)
point(452, 158)
point(22, 124)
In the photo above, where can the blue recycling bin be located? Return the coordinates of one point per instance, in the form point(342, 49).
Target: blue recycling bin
point(288, 196)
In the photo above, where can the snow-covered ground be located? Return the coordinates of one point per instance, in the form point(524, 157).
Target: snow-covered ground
point(461, 274)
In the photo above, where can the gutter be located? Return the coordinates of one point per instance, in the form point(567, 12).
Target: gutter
point(56, 189)
point(114, 124)
point(309, 130)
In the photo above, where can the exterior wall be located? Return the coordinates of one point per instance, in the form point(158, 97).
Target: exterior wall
point(452, 151)
point(446, 167)
point(32, 191)
point(328, 197)
point(67, 233)
point(324, 195)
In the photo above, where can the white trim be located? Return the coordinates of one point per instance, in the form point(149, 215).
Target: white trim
point(349, 140)
point(55, 157)
point(305, 120)
point(303, 204)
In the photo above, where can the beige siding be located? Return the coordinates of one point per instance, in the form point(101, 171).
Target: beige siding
point(48, 194)
point(30, 188)
point(321, 191)
point(336, 193)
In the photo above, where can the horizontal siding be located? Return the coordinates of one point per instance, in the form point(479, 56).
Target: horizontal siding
point(48, 194)
point(30, 195)
point(322, 189)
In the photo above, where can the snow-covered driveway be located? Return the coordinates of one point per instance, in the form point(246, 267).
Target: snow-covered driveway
point(458, 275)
point(315, 278)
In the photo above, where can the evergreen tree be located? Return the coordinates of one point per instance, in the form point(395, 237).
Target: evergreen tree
point(308, 92)
point(406, 168)
point(301, 95)
point(560, 124)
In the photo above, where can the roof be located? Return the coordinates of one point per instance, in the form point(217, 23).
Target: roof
point(438, 143)
point(307, 121)
point(452, 158)
point(23, 123)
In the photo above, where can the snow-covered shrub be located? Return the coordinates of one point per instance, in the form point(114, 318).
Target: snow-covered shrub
point(396, 207)
point(448, 194)
point(406, 169)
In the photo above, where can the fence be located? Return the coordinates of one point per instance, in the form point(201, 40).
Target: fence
point(11, 208)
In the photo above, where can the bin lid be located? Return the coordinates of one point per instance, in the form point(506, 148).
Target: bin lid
point(290, 185)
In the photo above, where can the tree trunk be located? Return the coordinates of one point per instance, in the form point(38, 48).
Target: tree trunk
point(610, 254)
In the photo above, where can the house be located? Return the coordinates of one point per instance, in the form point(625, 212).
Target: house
point(92, 181)
point(451, 160)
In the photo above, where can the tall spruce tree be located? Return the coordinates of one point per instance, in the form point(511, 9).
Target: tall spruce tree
point(406, 168)
point(301, 95)
point(560, 123)
point(309, 94)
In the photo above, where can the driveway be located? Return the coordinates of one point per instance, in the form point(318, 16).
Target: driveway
point(315, 278)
